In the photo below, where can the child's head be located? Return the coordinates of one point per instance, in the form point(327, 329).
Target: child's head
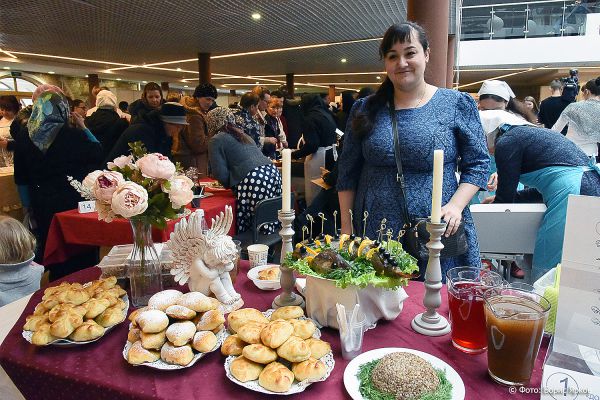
point(17, 244)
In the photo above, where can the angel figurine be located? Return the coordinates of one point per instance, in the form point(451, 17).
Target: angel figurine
point(205, 258)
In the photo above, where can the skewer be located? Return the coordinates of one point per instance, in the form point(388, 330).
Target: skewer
point(323, 219)
point(304, 229)
point(381, 229)
point(389, 235)
point(365, 216)
point(351, 221)
point(311, 220)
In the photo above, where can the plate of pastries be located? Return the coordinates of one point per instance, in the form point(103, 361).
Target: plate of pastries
point(275, 352)
point(74, 313)
point(174, 331)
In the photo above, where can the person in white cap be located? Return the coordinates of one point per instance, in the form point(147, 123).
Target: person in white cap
point(497, 95)
point(550, 165)
point(105, 123)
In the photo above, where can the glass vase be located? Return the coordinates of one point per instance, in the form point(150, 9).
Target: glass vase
point(143, 268)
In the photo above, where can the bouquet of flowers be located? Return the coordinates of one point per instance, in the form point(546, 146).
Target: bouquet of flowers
point(141, 186)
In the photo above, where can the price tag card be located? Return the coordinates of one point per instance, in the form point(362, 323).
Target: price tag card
point(85, 207)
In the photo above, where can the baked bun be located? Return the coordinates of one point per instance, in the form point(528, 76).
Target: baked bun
point(95, 307)
point(259, 353)
point(40, 309)
point(178, 355)
point(153, 341)
point(65, 324)
point(276, 378)
point(181, 333)
point(139, 355)
point(287, 312)
point(152, 321)
point(106, 283)
point(218, 328)
point(318, 348)
point(55, 289)
point(245, 370)
point(134, 314)
point(276, 333)
point(111, 316)
point(312, 369)
point(162, 300)
point(74, 296)
point(294, 350)
point(239, 317)
point(42, 335)
point(61, 309)
point(232, 346)
point(303, 328)
point(33, 322)
point(210, 320)
point(108, 296)
point(89, 330)
point(269, 274)
point(180, 312)
point(204, 341)
point(197, 301)
point(134, 335)
point(116, 291)
point(250, 332)
point(50, 302)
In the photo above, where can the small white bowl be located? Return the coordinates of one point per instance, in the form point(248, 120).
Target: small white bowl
point(263, 284)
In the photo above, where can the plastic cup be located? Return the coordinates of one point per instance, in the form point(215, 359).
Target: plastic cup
point(352, 338)
point(257, 254)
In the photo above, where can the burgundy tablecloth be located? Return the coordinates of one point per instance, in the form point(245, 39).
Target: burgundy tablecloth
point(71, 233)
point(98, 370)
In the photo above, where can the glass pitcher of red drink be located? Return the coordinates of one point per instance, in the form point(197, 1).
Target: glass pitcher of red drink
point(466, 286)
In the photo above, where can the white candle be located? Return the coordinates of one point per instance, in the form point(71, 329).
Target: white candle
point(436, 193)
point(286, 178)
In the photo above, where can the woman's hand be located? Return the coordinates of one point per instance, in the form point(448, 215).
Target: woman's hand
point(488, 200)
point(492, 184)
point(452, 215)
point(78, 119)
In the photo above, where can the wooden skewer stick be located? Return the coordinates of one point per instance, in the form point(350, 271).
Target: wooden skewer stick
point(304, 229)
point(365, 216)
point(351, 222)
point(323, 219)
point(311, 220)
point(335, 223)
point(389, 235)
point(381, 229)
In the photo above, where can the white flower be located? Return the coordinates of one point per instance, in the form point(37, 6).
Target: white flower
point(105, 213)
point(121, 162)
point(105, 185)
point(90, 179)
point(156, 166)
point(129, 200)
point(180, 191)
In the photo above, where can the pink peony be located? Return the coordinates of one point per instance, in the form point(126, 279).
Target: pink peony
point(90, 179)
point(105, 185)
point(129, 200)
point(180, 191)
point(121, 162)
point(105, 213)
point(156, 166)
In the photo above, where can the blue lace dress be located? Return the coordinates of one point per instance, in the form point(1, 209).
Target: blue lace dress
point(449, 121)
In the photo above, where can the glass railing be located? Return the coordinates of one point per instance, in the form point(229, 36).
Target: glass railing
point(518, 20)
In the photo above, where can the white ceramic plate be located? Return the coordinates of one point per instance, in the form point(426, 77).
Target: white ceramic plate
point(68, 343)
point(263, 284)
point(162, 365)
point(297, 387)
point(352, 383)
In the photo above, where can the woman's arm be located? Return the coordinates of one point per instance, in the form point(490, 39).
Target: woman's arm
point(452, 211)
point(346, 198)
point(561, 122)
point(218, 161)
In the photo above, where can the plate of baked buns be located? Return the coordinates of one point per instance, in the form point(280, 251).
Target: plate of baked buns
point(72, 314)
point(174, 331)
point(276, 351)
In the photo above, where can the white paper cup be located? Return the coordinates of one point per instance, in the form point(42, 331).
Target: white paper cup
point(257, 254)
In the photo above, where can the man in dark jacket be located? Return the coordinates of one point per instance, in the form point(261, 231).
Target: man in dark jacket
point(105, 123)
point(293, 118)
point(155, 130)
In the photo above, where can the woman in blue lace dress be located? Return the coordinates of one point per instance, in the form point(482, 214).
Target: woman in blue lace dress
point(428, 118)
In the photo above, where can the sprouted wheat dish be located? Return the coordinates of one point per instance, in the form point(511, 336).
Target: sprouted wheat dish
point(402, 376)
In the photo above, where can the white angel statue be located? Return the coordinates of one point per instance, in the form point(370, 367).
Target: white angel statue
point(205, 258)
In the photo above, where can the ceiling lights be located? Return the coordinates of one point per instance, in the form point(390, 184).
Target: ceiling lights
point(256, 16)
point(378, 77)
point(51, 72)
point(8, 53)
point(343, 60)
point(5, 67)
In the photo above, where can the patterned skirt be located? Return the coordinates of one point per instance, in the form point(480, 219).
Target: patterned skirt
point(261, 183)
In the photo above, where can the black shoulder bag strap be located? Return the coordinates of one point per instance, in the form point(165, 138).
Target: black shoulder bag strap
point(400, 175)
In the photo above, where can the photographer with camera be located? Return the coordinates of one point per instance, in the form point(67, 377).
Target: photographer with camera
point(564, 92)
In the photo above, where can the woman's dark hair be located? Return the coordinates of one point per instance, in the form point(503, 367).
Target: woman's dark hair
point(149, 87)
point(75, 103)
point(532, 100)
point(10, 103)
point(362, 123)
point(237, 133)
point(593, 86)
point(248, 99)
point(513, 105)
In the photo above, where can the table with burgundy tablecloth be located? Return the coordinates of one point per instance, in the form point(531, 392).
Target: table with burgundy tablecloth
point(72, 233)
point(98, 370)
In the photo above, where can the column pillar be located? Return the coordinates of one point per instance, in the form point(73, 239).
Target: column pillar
point(433, 16)
point(289, 83)
point(331, 93)
point(204, 67)
point(232, 92)
point(450, 61)
point(92, 81)
point(164, 86)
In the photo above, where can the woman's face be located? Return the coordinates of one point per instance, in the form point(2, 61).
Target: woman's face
point(405, 64)
point(8, 114)
point(275, 108)
point(153, 98)
point(205, 103)
point(491, 104)
point(528, 104)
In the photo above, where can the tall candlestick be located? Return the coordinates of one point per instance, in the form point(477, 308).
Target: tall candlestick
point(286, 178)
point(436, 192)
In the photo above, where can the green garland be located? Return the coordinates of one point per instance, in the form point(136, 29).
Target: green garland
point(370, 392)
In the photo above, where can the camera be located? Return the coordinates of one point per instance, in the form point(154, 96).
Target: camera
point(570, 86)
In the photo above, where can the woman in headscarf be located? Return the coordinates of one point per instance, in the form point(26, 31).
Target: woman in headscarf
point(552, 167)
point(105, 123)
point(237, 163)
point(152, 99)
point(318, 132)
point(49, 151)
